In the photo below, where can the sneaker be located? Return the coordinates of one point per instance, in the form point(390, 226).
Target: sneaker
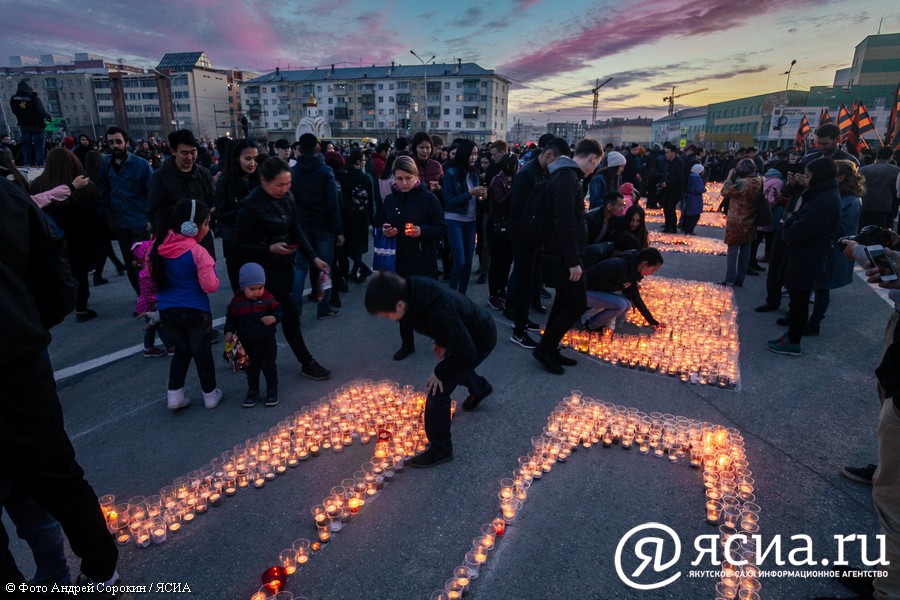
point(473, 400)
point(212, 399)
point(430, 458)
point(154, 352)
point(859, 474)
point(778, 340)
point(314, 370)
point(564, 360)
point(272, 398)
point(251, 399)
point(328, 313)
point(523, 340)
point(785, 347)
point(100, 281)
point(548, 360)
point(85, 315)
point(496, 302)
point(403, 352)
point(766, 308)
point(175, 399)
point(170, 350)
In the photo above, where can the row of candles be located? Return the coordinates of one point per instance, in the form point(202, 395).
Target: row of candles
point(699, 343)
point(707, 219)
point(355, 412)
point(580, 421)
point(692, 244)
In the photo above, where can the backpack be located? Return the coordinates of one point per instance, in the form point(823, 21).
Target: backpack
point(535, 222)
point(359, 199)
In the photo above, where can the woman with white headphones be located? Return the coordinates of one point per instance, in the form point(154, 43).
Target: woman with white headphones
point(184, 273)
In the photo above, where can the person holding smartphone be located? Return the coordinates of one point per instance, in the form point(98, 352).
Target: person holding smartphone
point(808, 235)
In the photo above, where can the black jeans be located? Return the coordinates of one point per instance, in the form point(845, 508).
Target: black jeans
point(670, 200)
point(126, 238)
point(190, 331)
point(437, 406)
point(37, 457)
point(501, 260)
point(232, 262)
point(776, 266)
point(570, 303)
point(280, 282)
point(798, 315)
point(263, 354)
point(524, 283)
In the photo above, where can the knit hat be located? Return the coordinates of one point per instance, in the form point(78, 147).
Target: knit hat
point(697, 169)
point(626, 189)
point(251, 274)
point(615, 159)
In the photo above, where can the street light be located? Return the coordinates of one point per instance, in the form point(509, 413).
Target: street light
point(425, 69)
point(788, 73)
point(91, 113)
point(785, 102)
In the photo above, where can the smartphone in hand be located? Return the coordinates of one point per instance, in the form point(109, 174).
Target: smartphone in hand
point(881, 261)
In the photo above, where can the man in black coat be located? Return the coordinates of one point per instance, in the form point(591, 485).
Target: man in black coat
point(563, 249)
point(464, 335)
point(672, 189)
point(37, 291)
point(621, 274)
point(179, 178)
point(31, 114)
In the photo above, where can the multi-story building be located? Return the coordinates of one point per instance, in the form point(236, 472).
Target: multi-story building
point(453, 100)
point(618, 131)
point(688, 124)
point(65, 86)
point(571, 131)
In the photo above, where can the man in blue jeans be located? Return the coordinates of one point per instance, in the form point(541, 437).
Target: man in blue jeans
point(612, 287)
point(464, 335)
point(316, 193)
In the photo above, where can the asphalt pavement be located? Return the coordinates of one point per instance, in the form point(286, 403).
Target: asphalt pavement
point(802, 418)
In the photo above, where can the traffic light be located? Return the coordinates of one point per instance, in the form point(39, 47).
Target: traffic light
point(402, 123)
point(408, 124)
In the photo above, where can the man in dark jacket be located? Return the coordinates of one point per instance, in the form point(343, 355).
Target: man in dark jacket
point(562, 250)
point(31, 114)
point(318, 207)
point(36, 292)
point(525, 281)
point(464, 335)
point(619, 275)
point(672, 189)
point(179, 178)
point(879, 204)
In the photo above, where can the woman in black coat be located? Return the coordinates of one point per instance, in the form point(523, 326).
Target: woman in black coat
point(414, 216)
point(267, 231)
point(808, 235)
point(238, 179)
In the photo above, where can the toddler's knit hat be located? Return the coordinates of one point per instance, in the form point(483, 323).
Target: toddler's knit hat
point(251, 274)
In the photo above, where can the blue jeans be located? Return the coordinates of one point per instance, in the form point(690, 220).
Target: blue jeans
point(323, 244)
point(32, 147)
point(44, 535)
point(462, 248)
point(738, 263)
point(603, 308)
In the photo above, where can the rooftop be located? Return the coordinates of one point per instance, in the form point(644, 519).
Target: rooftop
point(375, 72)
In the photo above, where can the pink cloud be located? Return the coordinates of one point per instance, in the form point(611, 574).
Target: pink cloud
point(639, 24)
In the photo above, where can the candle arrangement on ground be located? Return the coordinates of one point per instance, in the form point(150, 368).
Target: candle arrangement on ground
point(362, 411)
point(579, 421)
point(699, 343)
point(687, 244)
point(707, 219)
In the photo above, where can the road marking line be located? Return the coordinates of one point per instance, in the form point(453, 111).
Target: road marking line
point(96, 363)
point(880, 291)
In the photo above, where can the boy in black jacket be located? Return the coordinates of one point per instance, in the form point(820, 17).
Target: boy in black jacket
point(253, 313)
point(464, 335)
point(619, 275)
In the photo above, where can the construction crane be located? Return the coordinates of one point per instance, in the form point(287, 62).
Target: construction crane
point(671, 98)
point(596, 92)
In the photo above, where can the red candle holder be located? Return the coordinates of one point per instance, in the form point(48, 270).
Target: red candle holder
point(274, 578)
point(499, 526)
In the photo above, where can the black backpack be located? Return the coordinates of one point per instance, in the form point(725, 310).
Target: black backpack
point(359, 199)
point(536, 222)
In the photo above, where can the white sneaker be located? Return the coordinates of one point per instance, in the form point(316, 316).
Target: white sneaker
point(212, 399)
point(175, 399)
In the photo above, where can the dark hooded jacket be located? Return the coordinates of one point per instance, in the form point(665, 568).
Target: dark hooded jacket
point(316, 194)
point(262, 221)
point(28, 108)
point(619, 274)
point(566, 197)
point(808, 235)
point(454, 322)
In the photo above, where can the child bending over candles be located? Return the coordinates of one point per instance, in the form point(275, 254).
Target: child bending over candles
point(464, 335)
point(252, 314)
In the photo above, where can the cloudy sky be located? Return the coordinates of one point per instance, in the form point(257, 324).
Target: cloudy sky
point(551, 50)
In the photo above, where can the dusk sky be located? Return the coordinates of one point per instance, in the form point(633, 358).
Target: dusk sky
point(552, 51)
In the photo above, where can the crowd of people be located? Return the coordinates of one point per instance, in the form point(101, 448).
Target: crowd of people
point(297, 219)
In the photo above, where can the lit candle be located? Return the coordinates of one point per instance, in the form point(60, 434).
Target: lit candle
point(123, 538)
point(159, 535)
point(215, 499)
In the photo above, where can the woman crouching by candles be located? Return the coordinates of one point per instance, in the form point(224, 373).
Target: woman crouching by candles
point(808, 235)
point(413, 215)
point(267, 231)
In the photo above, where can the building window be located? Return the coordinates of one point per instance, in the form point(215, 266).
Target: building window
point(381, 98)
point(459, 111)
point(390, 86)
point(380, 86)
point(458, 86)
point(458, 125)
point(446, 124)
point(483, 125)
point(446, 111)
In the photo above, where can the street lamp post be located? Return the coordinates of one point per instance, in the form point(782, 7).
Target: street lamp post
point(787, 84)
point(91, 114)
point(3, 109)
point(425, 72)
